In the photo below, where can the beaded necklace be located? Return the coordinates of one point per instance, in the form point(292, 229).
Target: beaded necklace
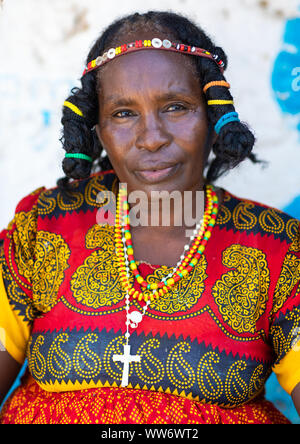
point(126, 262)
point(124, 249)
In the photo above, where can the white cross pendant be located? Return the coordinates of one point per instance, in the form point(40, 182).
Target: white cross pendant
point(126, 358)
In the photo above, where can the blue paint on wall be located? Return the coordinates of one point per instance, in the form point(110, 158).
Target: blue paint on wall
point(294, 207)
point(285, 78)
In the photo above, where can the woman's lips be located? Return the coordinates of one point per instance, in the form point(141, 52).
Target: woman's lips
point(157, 175)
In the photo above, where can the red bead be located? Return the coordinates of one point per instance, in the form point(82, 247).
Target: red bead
point(176, 277)
point(189, 268)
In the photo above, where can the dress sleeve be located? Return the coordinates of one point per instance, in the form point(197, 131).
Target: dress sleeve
point(285, 321)
point(17, 244)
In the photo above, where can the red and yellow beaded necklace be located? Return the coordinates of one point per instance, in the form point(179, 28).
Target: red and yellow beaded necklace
point(125, 254)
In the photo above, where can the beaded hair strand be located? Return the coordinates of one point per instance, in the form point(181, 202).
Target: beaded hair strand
point(234, 142)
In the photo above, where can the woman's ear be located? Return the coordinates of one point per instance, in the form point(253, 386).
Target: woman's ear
point(97, 129)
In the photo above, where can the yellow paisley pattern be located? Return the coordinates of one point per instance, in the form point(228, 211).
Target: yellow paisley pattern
point(95, 283)
point(58, 361)
point(24, 242)
point(289, 277)
point(185, 294)
point(282, 341)
point(271, 221)
point(47, 204)
point(75, 201)
point(241, 294)
point(238, 381)
point(52, 254)
point(95, 186)
point(242, 216)
point(293, 231)
point(36, 361)
point(208, 378)
point(113, 368)
point(150, 369)
point(86, 363)
point(179, 371)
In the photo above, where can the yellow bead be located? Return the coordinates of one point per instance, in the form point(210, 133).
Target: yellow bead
point(184, 272)
point(133, 266)
point(127, 235)
point(207, 234)
point(201, 248)
point(140, 279)
point(194, 261)
point(130, 251)
point(153, 286)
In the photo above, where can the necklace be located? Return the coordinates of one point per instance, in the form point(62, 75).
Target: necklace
point(126, 262)
point(125, 254)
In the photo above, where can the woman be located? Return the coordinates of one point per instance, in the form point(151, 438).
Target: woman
point(138, 323)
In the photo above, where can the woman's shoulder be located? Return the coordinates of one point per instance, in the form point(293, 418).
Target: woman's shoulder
point(256, 217)
point(81, 195)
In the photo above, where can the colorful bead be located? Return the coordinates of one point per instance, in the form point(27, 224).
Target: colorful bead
point(154, 43)
point(190, 260)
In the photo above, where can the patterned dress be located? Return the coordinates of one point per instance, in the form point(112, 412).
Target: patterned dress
point(206, 348)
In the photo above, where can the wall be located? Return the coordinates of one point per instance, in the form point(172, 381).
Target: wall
point(42, 53)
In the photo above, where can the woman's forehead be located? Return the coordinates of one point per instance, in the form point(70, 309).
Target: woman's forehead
point(149, 68)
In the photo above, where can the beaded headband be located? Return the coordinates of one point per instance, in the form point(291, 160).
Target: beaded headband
point(155, 43)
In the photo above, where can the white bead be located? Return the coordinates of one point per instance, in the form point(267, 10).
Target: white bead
point(111, 53)
point(127, 335)
point(135, 316)
point(167, 44)
point(156, 43)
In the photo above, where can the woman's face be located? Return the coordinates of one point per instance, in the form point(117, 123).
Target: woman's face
point(153, 122)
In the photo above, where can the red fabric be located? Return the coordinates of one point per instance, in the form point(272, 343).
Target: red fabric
point(110, 405)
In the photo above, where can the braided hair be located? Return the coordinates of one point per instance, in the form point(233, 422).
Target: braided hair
point(234, 142)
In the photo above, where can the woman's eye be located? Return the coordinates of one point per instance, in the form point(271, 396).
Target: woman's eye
point(176, 107)
point(123, 114)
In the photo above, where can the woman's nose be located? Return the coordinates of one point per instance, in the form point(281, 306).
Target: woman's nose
point(151, 133)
